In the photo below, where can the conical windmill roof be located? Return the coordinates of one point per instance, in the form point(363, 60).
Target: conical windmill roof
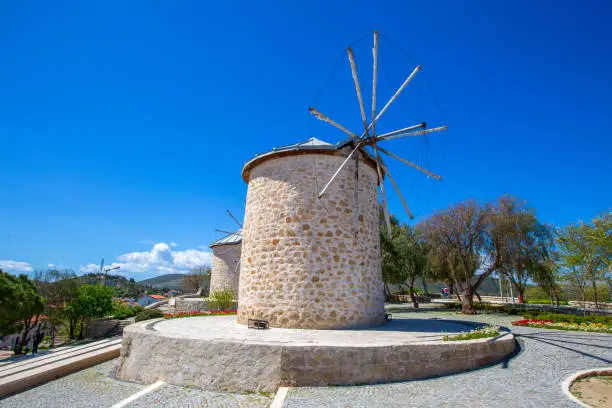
point(311, 145)
point(230, 239)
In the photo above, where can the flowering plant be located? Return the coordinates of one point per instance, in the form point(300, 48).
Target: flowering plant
point(202, 313)
point(549, 324)
point(481, 333)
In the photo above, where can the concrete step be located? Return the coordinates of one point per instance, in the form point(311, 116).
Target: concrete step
point(41, 360)
point(24, 374)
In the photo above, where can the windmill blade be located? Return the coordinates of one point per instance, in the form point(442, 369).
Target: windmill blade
point(416, 166)
point(340, 168)
point(395, 95)
point(407, 129)
point(332, 122)
point(381, 184)
point(225, 232)
point(374, 80)
point(412, 134)
point(234, 218)
point(396, 189)
point(357, 88)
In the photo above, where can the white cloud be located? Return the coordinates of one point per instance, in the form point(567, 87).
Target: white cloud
point(15, 266)
point(161, 259)
point(173, 244)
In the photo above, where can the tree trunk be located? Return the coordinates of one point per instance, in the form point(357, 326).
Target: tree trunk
point(595, 294)
point(24, 335)
point(478, 296)
point(520, 293)
point(424, 283)
point(387, 291)
point(467, 301)
point(415, 303)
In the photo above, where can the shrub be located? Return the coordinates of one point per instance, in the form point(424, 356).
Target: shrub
point(545, 302)
point(121, 312)
point(148, 314)
point(222, 299)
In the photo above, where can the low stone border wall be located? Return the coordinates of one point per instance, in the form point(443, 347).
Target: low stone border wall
point(187, 305)
point(223, 364)
point(567, 384)
point(591, 305)
point(542, 308)
point(408, 299)
point(97, 329)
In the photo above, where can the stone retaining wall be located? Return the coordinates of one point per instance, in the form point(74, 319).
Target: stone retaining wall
point(189, 305)
point(97, 329)
point(222, 364)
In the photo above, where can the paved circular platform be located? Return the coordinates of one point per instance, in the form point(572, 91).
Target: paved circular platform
point(216, 353)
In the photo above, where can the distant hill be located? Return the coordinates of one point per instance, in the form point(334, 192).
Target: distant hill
point(169, 281)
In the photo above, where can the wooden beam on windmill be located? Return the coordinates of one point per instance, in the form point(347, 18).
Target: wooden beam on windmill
point(395, 187)
point(381, 184)
point(374, 81)
point(397, 135)
point(234, 218)
point(408, 162)
point(332, 122)
point(395, 95)
point(340, 168)
point(358, 88)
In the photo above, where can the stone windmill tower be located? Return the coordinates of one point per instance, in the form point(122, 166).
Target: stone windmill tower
point(311, 245)
point(225, 271)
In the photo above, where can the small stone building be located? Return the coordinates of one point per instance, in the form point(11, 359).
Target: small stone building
point(226, 263)
point(303, 265)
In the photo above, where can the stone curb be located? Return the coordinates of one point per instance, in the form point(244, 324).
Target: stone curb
point(13, 384)
point(566, 385)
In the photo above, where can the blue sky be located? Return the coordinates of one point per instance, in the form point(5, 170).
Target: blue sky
point(124, 125)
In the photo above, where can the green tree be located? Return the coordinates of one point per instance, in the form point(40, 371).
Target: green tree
point(20, 305)
point(404, 257)
point(196, 279)
point(59, 288)
point(585, 254)
point(601, 237)
point(458, 239)
point(521, 243)
point(92, 302)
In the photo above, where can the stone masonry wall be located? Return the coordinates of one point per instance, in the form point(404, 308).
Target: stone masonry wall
point(301, 264)
point(225, 267)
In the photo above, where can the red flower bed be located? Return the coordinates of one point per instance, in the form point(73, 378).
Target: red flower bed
point(207, 313)
point(527, 322)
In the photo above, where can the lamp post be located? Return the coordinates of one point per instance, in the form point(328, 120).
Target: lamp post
point(106, 270)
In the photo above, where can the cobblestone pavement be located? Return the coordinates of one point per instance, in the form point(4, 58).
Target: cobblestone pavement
point(532, 378)
point(97, 387)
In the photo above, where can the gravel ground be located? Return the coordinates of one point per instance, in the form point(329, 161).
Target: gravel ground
point(532, 378)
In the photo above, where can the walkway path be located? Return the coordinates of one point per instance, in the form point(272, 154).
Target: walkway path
point(531, 379)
